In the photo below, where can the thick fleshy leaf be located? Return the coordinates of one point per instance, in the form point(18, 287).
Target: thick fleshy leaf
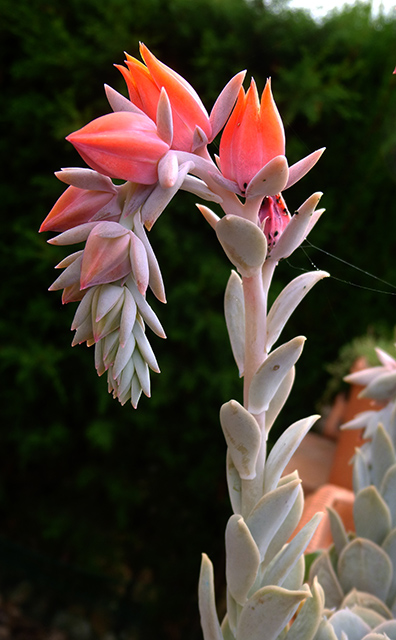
point(243, 437)
point(291, 521)
point(389, 546)
point(270, 374)
point(279, 399)
point(123, 356)
point(83, 310)
point(297, 229)
point(269, 513)
point(364, 376)
point(145, 310)
point(363, 565)
point(242, 558)
point(224, 103)
point(226, 629)
point(73, 236)
point(361, 474)
point(268, 611)
point(383, 455)
point(128, 317)
point(359, 600)
point(388, 628)
point(243, 242)
point(309, 617)
point(107, 297)
point(164, 118)
point(283, 450)
point(199, 188)
point(280, 566)
point(382, 388)
point(160, 197)
point(287, 301)
point(270, 180)
point(350, 623)
point(234, 484)
point(71, 274)
point(206, 601)
point(156, 282)
point(118, 102)
point(139, 263)
point(323, 569)
point(388, 491)
point(371, 515)
point(145, 348)
point(338, 532)
point(325, 631)
point(86, 179)
point(234, 309)
point(300, 168)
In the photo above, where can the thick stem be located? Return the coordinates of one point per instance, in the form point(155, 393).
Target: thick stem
point(255, 328)
point(255, 298)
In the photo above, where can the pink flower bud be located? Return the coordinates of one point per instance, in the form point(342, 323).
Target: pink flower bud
point(274, 217)
point(75, 207)
point(106, 255)
point(121, 145)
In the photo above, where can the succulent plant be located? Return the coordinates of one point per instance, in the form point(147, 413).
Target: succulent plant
point(358, 572)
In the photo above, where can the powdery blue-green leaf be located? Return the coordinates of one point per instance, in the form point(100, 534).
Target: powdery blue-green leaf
point(388, 628)
point(225, 629)
point(234, 484)
point(269, 513)
point(284, 561)
point(232, 612)
point(296, 230)
point(268, 611)
point(361, 474)
point(365, 600)
point(375, 636)
point(243, 242)
point(371, 515)
point(389, 546)
point(364, 566)
point(349, 623)
point(242, 558)
point(382, 388)
point(206, 601)
point(290, 522)
point(295, 578)
point(279, 399)
point(370, 617)
point(270, 374)
point(283, 450)
point(325, 631)
point(338, 532)
point(287, 301)
point(388, 491)
point(309, 617)
point(383, 455)
point(234, 309)
point(243, 437)
point(322, 568)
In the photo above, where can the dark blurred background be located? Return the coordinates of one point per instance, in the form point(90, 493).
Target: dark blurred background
point(104, 511)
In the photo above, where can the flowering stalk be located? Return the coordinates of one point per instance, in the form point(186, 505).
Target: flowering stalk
point(157, 142)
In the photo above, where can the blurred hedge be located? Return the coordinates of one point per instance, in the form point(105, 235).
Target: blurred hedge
point(128, 498)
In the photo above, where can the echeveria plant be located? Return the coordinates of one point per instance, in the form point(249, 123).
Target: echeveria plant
point(156, 142)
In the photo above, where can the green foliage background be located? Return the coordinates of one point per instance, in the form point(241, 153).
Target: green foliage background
point(109, 506)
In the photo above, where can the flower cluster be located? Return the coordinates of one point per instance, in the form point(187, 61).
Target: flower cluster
point(157, 143)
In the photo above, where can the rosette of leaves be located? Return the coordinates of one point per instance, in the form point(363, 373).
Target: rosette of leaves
point(358, 572)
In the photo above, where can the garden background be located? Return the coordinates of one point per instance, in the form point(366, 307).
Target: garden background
point(104, 511)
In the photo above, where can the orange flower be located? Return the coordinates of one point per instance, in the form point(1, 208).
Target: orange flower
point(121, 145)
point(252, 137)
point(144, 82)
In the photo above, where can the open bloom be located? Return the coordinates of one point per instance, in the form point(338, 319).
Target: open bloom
point(121, 145)
point(144, 82)
point(252, 137)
